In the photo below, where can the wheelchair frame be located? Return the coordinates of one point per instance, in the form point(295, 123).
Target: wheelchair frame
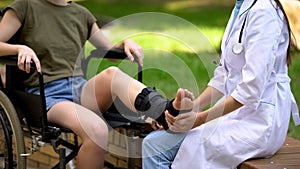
point(16, 124)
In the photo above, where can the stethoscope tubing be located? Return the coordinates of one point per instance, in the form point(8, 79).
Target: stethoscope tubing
point(238, 47)
point(244, 23)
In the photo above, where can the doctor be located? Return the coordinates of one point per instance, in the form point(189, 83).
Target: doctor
point(252, 90)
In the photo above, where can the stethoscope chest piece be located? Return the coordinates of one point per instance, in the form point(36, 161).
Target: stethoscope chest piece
point(237, 48)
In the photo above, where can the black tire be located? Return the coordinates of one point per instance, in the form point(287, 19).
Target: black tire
point(11, 137)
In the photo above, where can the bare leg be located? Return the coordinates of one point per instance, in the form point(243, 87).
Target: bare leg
point(81, 120)
point(99, 92)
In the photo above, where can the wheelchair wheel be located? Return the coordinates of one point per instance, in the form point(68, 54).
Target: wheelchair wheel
point(11, 137)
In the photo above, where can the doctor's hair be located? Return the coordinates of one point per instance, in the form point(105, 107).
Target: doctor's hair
point(288, 57)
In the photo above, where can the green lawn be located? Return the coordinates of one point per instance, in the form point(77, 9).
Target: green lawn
point(180, 40)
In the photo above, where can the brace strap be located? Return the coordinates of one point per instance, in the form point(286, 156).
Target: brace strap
point(174, 112)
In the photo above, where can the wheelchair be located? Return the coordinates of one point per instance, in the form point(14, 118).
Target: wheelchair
point(24, 115)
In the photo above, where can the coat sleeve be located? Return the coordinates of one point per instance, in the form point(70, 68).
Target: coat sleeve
point(219, 77)
point(261, 39)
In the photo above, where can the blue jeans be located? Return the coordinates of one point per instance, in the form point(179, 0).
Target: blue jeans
point(159, 149)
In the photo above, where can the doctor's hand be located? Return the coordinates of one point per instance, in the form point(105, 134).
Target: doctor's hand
point(156, 125)
point(181, 123)
point(25, 56)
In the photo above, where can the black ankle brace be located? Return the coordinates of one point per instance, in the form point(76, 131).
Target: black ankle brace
point(174, 112)
point(152, 104)
point(142, 100)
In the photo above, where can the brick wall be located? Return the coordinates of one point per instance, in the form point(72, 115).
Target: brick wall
point(46, 157)
point(117, 151)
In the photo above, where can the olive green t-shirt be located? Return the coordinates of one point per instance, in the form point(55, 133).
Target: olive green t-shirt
point(56, 33)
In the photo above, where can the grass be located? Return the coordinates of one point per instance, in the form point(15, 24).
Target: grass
point(181, 40)
point(294, 73)
point(178, 37)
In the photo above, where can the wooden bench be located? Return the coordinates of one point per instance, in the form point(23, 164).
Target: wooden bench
point(288, 157)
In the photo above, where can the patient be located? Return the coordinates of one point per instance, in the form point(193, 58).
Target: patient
point(53, 40)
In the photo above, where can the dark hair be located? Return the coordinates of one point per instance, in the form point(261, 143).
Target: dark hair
point(288, 57)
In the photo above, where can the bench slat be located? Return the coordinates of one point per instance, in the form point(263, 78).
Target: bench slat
point(288, 157)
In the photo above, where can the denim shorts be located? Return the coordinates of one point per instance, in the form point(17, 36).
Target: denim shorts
point(66, 89)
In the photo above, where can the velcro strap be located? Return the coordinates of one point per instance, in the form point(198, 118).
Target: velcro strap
point(174, 112)
point(142, 102)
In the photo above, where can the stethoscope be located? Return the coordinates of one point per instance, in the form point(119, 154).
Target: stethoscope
point(238, 47)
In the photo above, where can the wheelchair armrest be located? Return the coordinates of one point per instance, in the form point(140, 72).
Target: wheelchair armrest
point(13, 61)
point(12, 82)
point(108, 53)
point(9, 60)
point(113, 54)
point(97, 53)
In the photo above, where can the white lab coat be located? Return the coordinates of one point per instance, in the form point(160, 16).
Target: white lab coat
point(258, 79)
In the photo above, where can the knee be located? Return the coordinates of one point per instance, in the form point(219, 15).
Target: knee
point(100, 129)
point(98, 134)
point(148, 146)
point(146, 142)
point(110, 71)
point(107, 74)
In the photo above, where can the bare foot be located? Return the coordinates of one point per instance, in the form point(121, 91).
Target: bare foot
point(183, 100)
